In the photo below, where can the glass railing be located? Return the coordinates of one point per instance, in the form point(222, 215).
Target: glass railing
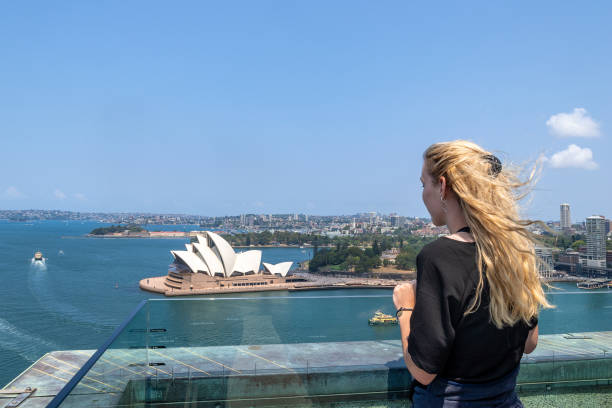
point(298, 351)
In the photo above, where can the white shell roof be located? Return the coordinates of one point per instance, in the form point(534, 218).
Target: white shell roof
point(228, 256)
point(221, 258)
point(194, 262)
point(210, 258)
point(247, 261)
point(280, 268)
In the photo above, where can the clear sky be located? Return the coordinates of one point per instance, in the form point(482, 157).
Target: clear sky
point(219, 108)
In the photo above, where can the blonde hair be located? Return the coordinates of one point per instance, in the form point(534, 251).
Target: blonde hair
point(488, 195)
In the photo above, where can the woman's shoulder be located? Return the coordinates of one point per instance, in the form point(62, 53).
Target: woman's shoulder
point(442, 245)
point(452, 261)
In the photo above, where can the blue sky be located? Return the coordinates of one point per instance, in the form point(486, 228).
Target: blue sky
point(315, 107)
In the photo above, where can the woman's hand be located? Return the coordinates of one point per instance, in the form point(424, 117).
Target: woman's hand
point(404, 295)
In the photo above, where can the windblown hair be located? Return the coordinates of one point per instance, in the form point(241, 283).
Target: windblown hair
point(488, 195)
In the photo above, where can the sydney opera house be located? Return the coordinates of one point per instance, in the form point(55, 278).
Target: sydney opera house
point(209, 264)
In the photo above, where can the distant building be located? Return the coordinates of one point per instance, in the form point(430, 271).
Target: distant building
point(396, 221)
point(596, 241)
point(569, 261)
point(566, 221)
point(210, 265)
point(212, 255)
point(390, 255)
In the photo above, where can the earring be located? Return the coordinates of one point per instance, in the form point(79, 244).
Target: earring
point(443, 201)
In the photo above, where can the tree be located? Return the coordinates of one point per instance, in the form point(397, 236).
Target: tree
point(406, 259)
point(351, 261)
point(376, 248)
point(577, 244)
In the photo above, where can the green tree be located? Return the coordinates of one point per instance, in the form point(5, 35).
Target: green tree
point(351, 261)
point(406, 259)
point(376, 248)
point(577, 244)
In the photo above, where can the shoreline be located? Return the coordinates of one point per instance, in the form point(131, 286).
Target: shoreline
point(157, 285)
point(187, 236)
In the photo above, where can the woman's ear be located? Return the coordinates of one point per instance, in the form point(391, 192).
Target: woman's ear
point(442, 187)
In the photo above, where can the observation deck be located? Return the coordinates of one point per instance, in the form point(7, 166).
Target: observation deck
point(153, 361)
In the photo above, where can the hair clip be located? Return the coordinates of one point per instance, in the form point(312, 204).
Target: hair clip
point(496, 166)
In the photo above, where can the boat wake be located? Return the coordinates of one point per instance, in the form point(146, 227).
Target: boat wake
point(39, 264)
point(26, 345)
point(41, 291)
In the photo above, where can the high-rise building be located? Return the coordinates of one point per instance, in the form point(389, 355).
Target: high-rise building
point(596, 241)
point(566, 222)
point(395, 220)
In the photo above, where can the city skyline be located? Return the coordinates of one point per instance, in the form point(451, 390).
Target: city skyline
point(312, 108)
point(243, 217)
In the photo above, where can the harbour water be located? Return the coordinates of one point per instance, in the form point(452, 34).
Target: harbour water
point(87, 286)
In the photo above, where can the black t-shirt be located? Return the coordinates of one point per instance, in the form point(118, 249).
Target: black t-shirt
point(445, 341)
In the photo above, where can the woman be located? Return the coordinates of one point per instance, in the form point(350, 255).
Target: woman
point(472, 312)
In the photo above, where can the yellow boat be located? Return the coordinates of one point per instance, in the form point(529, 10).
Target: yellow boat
point(381, 318)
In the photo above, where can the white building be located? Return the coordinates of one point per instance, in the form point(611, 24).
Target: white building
point(566, 222)
point(212, 255)
point(596, 241)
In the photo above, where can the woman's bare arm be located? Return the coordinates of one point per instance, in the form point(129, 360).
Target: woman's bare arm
point(404, 296)
point(417, 373)
point(532, 340)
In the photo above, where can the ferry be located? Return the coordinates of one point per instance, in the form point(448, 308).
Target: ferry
point(592, 284)
point(381, 318)
point(38, 256)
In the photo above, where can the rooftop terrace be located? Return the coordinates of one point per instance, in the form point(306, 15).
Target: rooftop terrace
point(152, 361)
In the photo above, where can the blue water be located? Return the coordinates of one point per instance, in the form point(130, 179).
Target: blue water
point(88, 286)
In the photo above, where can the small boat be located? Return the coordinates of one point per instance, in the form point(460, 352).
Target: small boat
point(591, 285)
point(38, 256)
point(382, 319)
